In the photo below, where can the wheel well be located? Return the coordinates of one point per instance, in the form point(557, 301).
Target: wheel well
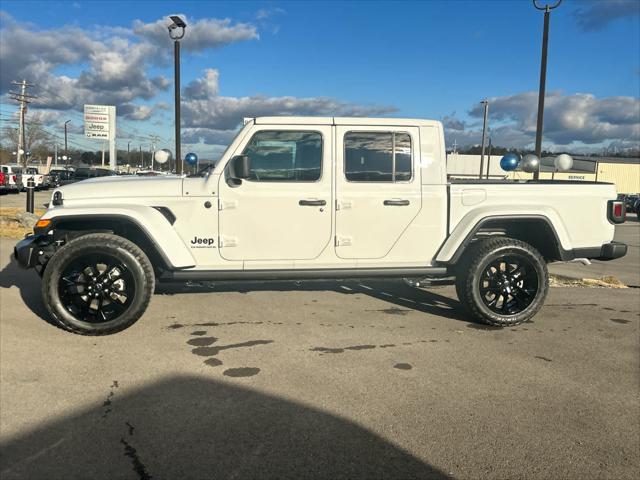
point(68, 229)
point(537, 232)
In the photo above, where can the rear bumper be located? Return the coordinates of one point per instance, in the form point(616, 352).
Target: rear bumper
point(613, 250)
point(608, 251)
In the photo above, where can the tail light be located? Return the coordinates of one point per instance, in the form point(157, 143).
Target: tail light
point(616, 211)
point(1, 178)
point(13, 178)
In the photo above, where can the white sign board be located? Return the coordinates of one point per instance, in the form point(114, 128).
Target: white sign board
point(100, 124)
point(99, 120)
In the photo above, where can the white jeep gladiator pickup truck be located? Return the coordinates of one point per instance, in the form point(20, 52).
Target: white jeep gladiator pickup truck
point(308, 198)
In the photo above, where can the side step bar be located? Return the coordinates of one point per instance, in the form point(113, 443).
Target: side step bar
point(301, 274)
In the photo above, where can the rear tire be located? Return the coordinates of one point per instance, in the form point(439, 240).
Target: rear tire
point(502, 281)
point(98, 284)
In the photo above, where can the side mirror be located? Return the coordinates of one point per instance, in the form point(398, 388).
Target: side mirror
point(241, 166)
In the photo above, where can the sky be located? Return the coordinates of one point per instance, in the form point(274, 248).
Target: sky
point(430, 59)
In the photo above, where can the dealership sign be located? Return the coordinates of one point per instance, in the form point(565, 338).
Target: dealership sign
point(100, 124)
point(100, 121)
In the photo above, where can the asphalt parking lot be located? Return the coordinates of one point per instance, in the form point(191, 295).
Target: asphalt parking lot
point(321, 380)
point(20, 199)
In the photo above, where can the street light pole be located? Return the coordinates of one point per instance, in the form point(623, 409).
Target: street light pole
point(484, 134)
point(66, 151)
point(543, 77)
point(176, 59)
point(176, 32)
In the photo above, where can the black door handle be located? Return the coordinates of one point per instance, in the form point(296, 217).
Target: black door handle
point(312, 203)
point(397, 203)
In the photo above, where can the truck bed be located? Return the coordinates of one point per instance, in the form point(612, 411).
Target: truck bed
point(577, 210)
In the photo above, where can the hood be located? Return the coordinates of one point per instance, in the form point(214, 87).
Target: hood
point(123, 186)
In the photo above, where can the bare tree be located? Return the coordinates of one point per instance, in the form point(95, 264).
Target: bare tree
point(37, 140)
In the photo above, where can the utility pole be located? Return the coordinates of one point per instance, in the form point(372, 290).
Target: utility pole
point(484, 134)
point(141, 158)
point(24, 100)
point(128, 153)
point(66, 150)
point(55, 150)
point(543, 77)
point(489, 158)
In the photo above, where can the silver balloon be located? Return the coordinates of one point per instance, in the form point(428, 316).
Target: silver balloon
point(563, 162)
point(530, 163)
point(162, 156)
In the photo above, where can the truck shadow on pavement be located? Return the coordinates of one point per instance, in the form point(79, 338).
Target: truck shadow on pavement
point(401, 297)
point(29, 285)
point(190, 427)
point(394, 292)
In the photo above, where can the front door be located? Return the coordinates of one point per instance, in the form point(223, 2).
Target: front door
point(378, 189)
point(283, 210)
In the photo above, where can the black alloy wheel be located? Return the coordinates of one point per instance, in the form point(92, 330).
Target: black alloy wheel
point(502, 281)
point(98, 284)
point(96, 288)
point(509, 284)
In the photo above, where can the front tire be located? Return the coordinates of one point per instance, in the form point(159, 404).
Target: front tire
point(502, 281)
point(98, 284)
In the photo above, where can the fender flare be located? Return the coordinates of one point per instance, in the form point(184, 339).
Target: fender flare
point(151, 222)
point(446, 254)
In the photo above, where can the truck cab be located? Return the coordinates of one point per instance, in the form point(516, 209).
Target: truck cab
point(324, 193)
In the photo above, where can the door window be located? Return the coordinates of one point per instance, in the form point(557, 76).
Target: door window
point(377, 156)
point(285, 156)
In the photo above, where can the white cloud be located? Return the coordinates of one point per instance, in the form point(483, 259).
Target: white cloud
point(203, 88)
point(596, 14)
point(206, 33)
point(214, 119)
point(575, 119)
point(114, 62)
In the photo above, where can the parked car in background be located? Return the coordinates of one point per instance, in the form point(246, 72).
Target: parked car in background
point(88, 172)
point(13, 178)
point(3, 184)
point(629, 200)
point(630, 203)
point(40, 181)
point(61, 176)
point(636, 207)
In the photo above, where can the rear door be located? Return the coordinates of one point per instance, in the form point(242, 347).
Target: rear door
point(378, 189)
point(282, 212)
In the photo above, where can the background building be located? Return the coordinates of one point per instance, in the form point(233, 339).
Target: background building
point(623, 172)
